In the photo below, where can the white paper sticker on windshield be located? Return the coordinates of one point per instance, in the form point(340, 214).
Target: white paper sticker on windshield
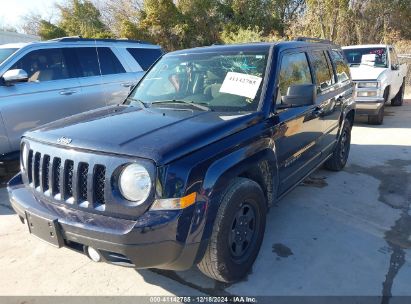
point(241, 84)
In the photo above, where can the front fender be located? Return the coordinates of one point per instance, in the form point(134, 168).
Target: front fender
point(209, 171)
point(222, 172)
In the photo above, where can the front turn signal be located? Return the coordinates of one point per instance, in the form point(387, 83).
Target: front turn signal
point(174, 203)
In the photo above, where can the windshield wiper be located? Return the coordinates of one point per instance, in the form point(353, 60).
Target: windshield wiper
point(132, 100)
point(196, 105)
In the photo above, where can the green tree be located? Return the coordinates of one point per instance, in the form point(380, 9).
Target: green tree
point(204, 18)
point(242, 36)
point(81, 17)
point(49, 31)
point(165, 24)
point(244, 14)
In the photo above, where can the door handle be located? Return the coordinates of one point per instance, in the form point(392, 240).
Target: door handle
point(67, 92)
point(318, 111)
point(126, 84)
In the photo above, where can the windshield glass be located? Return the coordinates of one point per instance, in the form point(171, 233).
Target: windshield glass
point(5, 53)
point(223, 81)
point(354, 56)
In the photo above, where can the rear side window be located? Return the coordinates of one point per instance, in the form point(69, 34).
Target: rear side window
point(45, 65)
point(88, 61)
point(294, 70)
point(323, 71)
point(145, 57)
point(341, 67)
point(109, 62)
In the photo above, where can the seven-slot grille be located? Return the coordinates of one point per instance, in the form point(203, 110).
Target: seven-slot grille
point(63, 179)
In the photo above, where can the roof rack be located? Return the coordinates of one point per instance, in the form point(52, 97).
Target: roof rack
point(80, 39)
point(311, 39)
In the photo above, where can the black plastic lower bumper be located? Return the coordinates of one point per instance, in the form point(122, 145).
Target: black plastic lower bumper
point(144, 243)
point(368, 108)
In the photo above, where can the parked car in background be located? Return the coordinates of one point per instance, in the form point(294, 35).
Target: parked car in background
point(183, 172)
point(45, 81)
point(378, 77)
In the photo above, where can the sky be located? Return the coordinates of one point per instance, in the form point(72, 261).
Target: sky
point(11, 11)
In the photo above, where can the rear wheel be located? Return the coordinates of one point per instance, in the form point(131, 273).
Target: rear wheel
point(377, 119)
point(237, 232)
point(399, 98)
point(342, 150)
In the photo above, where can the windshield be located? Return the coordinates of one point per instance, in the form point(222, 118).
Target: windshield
point(5, 53)
point(354, 56)
point(223, 81)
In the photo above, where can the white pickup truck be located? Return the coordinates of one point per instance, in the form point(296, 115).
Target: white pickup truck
point(378, 78)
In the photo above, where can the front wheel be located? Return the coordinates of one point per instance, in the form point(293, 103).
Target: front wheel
point(399, 98)
point(237, 232)
point(342, 150)
point(377, 119)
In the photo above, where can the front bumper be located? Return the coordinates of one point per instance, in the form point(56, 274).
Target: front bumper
point(368, 106)
point(151, 241)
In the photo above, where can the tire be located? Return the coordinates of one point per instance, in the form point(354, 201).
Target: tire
point(340, 155)
point(377, 119)
point(399, 98)
point(230, 254)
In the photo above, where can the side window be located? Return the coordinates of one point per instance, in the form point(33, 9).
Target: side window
point(324, 74)
point(145, 57)
point(87, 58)
point(294, 70)
point(341, 67)
point(109, 62)
point(393, 56)
point(44, 65)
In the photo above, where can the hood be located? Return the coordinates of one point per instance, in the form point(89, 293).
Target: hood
point(161, 135)
point(366, 72)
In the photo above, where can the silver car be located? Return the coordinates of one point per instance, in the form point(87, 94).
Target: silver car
point(44, 81)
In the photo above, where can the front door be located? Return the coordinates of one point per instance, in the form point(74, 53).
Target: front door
point(299, 129)
point(50, 93)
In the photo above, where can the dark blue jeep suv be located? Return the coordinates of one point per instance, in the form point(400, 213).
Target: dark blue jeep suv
point(183, 172)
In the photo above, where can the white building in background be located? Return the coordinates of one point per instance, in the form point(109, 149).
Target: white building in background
point(10, 37)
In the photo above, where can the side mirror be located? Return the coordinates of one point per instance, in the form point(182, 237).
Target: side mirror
point(13, 76)
point(299, 95)
point(394, 67)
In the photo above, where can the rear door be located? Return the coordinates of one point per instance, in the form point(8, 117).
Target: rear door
point(343, 92)
point(299, 128)
point(116, 81)
point(52, 92)
point(90, 79)
point(328, 100)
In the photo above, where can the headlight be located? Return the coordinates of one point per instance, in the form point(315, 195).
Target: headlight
point(367, 94)
point(24, 157)
point(362, 85)
point(135, 183)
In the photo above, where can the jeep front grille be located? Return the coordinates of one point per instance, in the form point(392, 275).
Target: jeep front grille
point(66, 180)
point(78, 178)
